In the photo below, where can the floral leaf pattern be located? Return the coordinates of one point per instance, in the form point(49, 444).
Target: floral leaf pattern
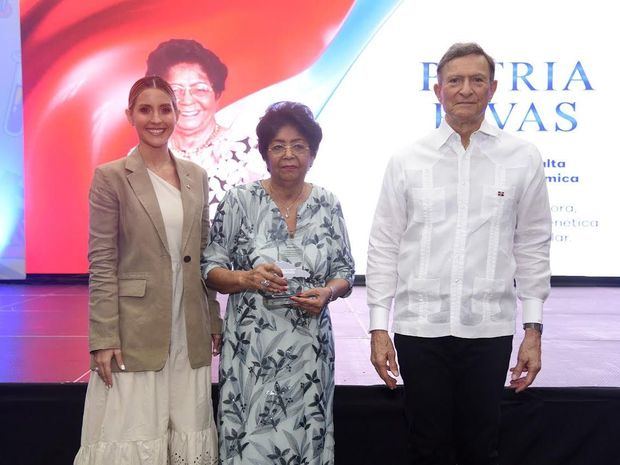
point(277, 365)
point(229, 162)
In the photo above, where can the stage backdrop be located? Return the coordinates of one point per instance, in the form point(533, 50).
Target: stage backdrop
point(12, 243)
point(365, 67)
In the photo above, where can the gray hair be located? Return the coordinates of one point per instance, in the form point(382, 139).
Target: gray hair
point(459, 50)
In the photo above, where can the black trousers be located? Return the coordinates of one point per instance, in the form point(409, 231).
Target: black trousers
point(453, 390)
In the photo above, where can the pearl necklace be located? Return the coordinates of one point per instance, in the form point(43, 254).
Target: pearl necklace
point(189, 153)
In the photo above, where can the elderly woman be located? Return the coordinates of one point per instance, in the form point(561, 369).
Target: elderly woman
point(280, 248)
point(151, 326)
point(198, 78)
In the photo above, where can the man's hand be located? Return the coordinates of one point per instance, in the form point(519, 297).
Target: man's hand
point(383, 357)
point(528, 360)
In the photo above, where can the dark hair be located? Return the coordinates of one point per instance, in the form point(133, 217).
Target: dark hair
point(175, 51)
point(150, 82)
point(282, 114)
point(459, 50)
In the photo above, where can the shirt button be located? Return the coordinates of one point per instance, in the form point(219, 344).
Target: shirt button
point(187, 259)
point(457, 281)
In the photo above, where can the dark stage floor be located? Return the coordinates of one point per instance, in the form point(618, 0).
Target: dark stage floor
point(44, 357)
point(43, 338)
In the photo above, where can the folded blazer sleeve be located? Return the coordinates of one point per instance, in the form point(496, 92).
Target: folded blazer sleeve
point(103, 260)
point(214, 306)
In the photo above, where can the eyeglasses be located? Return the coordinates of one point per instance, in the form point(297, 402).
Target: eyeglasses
point(197, 90)
point(296, 149)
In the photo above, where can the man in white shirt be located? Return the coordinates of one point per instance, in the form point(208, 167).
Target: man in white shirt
point(463, 214)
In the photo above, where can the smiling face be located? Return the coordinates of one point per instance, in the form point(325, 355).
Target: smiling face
point(465, 89)
point(154, 117)
point(195, 97)
point(288, 156)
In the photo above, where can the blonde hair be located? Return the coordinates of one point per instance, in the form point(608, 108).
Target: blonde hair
point(150, 82)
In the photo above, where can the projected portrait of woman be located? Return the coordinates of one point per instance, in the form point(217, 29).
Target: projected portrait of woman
point(198, 78)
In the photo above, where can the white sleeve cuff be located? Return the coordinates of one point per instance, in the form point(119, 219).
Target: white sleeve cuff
point(379, 318)
point(532, 311)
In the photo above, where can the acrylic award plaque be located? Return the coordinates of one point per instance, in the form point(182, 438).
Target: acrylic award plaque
point(290, 258)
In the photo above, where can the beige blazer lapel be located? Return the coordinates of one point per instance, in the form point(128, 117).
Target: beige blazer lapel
point(191, 195)
point(140, 182)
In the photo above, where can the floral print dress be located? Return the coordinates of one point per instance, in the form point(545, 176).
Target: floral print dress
point(277, 364)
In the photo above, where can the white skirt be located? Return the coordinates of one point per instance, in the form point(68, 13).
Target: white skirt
point(153, 417)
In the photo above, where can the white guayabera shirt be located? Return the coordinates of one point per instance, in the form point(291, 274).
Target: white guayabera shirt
point(453, 230)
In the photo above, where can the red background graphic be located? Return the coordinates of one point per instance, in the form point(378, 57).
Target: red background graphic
point(79, 60)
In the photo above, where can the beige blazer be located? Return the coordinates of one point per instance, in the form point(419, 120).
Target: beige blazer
point(131, 271)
